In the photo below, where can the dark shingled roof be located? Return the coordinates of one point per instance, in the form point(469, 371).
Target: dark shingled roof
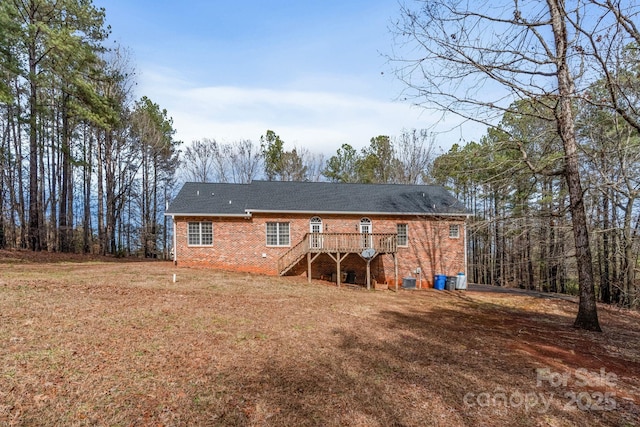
point(197, 198)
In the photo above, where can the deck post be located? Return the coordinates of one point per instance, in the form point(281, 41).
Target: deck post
point(395, 266)
point(338, 269)
point(337, 246)
point(368, 274)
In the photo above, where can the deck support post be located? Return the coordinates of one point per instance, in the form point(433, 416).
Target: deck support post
point(310, 258)
point(337, 246)
point(395, 267)
point(338, 275)
point(338, 259)
point(369, 274)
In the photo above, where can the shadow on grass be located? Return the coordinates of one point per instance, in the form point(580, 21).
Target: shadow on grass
point(430, 368)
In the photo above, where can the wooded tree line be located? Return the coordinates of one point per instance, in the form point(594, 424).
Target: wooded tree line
point(520, 233)
point(554, 180)
point(82, 166)
point(85, 168)
point(405, 159)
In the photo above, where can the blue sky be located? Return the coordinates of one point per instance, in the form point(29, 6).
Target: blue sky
point(311, 70)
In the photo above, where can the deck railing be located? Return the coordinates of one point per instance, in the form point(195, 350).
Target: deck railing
point(351, 242)
point(338, 242)
point(293, 255)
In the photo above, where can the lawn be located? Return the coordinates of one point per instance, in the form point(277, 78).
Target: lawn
point(96, 342)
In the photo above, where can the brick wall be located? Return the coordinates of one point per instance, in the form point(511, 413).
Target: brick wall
point(240, 244)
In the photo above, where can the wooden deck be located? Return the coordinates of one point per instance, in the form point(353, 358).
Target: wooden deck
point(337, 246)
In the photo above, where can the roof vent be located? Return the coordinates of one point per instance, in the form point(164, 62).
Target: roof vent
point(229, 201)
point(213, 194)
point(197, 192)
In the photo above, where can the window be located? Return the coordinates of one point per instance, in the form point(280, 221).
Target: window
point(315, 225)
point(403, 235)
point(366, 229)
point(315, 228)
point(454, 231)
point(366, 226)
point(200, 234)
point(277, 234)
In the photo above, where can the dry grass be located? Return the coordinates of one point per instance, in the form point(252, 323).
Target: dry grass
point(104, 343)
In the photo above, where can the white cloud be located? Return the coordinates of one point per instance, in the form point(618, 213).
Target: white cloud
point(318, 120)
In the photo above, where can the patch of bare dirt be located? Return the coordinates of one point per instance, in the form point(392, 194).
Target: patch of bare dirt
point(106, 343)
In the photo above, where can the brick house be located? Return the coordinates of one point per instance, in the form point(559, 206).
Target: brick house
point(321, 230)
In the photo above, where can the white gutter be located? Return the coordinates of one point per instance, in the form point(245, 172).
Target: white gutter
point(245, 215)
point(251, 211)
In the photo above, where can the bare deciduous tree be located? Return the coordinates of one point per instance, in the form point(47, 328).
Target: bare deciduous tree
point(416, 151)
point(198, 161)
point(476, 59)
point(245, 161)
point(314, 164)
point(209, 161)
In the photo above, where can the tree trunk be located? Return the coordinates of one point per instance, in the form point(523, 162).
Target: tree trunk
point(4, 179)
point(587, 311)
point(52, 176)
point(629, 257)
point(34, 194)
point(102, 240)
point(88, 162)
point(154, 211)
point(605, 278)
point(18, 177)
point(498, 248)
point(587, 317)
point(63, 234)
point(42, 225)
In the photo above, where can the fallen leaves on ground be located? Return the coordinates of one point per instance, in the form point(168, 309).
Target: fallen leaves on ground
point(98, 342)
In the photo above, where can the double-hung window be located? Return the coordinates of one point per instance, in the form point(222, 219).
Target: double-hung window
point(403, 234)
point(454, 231)
point(278, 234)
point(200, 234)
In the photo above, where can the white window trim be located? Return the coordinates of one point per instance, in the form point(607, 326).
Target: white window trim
point(366, 222)
point(406, 245)
point(457, 235)
point(315, 241)
point(199, 234)
point(316, 220)
point(278, 223)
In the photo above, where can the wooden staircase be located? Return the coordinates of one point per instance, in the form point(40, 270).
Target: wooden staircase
point(293, 256)
point(336, 243)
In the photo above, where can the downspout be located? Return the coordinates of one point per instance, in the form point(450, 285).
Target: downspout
point(466, 273)
point(175, 241)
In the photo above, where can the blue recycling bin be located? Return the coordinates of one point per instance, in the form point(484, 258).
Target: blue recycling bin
point(439, 282)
